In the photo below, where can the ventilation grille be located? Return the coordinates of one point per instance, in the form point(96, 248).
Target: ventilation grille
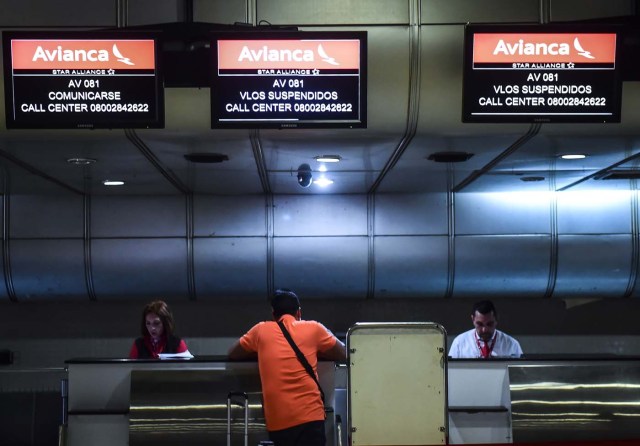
point(206, 157)
point(449, 157)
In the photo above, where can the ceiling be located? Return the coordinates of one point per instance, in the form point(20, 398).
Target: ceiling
point(414, 110)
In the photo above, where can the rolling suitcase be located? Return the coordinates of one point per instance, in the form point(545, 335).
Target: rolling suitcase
point(244, 403)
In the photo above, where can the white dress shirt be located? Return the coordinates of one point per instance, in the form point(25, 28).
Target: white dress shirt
point(467, 345)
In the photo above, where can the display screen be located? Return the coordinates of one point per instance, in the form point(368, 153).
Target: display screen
point(82, 80)
point(289, 79)
point(544, 73)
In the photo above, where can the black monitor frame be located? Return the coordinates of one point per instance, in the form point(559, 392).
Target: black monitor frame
point(606, 84)
point(224, 89)
point(140, 105)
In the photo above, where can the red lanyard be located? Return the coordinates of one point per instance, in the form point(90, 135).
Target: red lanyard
point(485, 351)
point(155, 347)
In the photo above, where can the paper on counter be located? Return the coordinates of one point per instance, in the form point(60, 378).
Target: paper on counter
point(183, 355)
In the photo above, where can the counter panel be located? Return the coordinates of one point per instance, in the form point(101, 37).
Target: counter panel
point(580, 401)
point(138, 402)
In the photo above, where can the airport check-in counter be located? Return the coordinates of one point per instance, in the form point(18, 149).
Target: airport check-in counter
point(181, 401)
point(543, 398)
point(535, 399)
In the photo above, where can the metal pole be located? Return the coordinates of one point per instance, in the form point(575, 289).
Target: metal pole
point(64, 392)
point(62, 430)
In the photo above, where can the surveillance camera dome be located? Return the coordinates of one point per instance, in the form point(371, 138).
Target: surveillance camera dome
point(305, 178)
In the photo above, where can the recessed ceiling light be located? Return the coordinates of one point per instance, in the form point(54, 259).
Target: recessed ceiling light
point(573, 156)
point(328, 158)
point(323, 182)
point(113, 182)
point(81, 161)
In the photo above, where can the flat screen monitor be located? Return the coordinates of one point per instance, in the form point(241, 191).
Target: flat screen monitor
point(289, 79)
point(541, 73)
point(82, 79)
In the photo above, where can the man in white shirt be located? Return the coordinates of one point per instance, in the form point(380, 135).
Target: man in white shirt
point(484, 341)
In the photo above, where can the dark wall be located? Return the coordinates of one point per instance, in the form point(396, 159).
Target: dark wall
point(231, 317)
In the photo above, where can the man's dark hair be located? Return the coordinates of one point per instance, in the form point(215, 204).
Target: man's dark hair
point(284, 301)
point(484, 307)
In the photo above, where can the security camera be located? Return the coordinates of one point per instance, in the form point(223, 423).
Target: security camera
point(305, 178)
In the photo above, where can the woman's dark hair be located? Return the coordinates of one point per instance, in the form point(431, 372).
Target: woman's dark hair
point(284, 301)
point(160, 308)
point(484, 307)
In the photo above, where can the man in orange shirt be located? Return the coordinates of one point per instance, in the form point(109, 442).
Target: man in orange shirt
point(293, 406)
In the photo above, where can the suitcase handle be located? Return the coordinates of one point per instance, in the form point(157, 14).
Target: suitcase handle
point(244, 404)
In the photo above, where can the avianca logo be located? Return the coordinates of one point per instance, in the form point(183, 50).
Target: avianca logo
point(61, 54)
point(120, 57)
point(541, 47)
point(308, 54)
point(53, 54)
point(266, 54)
point(578, 47)
point(326, 57)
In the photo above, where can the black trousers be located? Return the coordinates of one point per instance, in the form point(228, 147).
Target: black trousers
point(307, 434)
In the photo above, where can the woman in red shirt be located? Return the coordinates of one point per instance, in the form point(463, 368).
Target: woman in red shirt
point(157, 333)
